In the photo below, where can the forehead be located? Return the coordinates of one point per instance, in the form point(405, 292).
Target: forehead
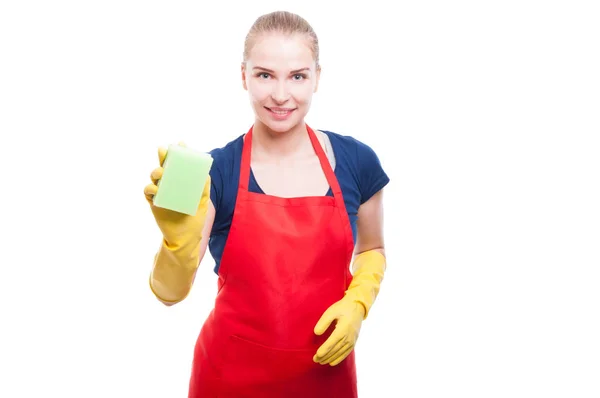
point(279, 51)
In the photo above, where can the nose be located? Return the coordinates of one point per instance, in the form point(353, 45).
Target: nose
point(280, 92)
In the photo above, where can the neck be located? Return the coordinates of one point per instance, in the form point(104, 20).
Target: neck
point(277, 145)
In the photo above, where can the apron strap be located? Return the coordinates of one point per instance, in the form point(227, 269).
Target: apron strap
point(245, 166)
point(326, 166)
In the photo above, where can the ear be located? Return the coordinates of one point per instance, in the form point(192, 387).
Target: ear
point(244, 76)
point(318, 77)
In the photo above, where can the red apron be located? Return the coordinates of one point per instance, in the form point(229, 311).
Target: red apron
point(285, 262)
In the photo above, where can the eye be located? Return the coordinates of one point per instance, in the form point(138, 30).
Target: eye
point(299, 76)
point(263, 75)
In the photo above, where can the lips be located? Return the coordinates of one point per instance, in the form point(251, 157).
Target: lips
point(280, 111)
point(280, 114)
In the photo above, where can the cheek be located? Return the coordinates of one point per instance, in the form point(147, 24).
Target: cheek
point(302, 93)
point(258, 91)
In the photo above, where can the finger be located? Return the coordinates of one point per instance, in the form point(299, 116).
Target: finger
point(150, 190)
point(325, 321)
point(331, 342)
point(156, 174)
point(334, 343)
point(340, 347)
point(162, 154)
point(343, 355)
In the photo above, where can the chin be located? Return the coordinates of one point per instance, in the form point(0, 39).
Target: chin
point(279, 127)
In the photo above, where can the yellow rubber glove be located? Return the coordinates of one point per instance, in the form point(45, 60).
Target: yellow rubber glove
point(349, 312)
point(177, 260)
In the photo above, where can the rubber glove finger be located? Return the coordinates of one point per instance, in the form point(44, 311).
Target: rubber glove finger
point(339, 338)
point(343, 355)
point(326, 319)
point(331, 342)
point(156, 174)
point(341, 346)
point(162, 154)
point(150, 190)
point(335, 355)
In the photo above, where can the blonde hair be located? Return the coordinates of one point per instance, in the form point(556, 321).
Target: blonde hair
point(282, 22)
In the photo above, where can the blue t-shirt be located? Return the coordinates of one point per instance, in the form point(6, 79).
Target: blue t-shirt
point(357, 169)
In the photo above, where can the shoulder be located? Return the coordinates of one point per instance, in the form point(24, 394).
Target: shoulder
point(349, 145)
point(228, 151)
point(360, 154)
point(226, 158)
point(361, 160)
point(225, 164)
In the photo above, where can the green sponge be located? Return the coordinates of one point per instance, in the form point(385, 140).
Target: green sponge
point(185, 171)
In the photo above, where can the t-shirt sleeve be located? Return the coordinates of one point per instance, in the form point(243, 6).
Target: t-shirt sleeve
point(371, 176)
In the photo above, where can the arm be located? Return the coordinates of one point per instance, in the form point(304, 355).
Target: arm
point(370, 226)
point(180, 279)
point(184, 240)
point(369, 262)
point(367, 270)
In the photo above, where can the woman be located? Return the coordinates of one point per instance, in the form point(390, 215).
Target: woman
point(284, 229)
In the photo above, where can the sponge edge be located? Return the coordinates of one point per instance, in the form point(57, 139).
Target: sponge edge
point(185, 172)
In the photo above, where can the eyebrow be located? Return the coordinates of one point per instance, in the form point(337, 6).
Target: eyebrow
point(271, 71)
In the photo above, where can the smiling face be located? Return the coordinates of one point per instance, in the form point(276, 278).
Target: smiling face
point(280, 75)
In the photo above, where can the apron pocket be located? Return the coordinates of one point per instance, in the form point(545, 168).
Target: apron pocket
point(253, 368)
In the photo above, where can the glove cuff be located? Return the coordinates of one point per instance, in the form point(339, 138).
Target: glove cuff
point(368, 270)
point(174, 271)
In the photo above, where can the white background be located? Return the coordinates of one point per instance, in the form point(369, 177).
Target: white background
point(484, 114)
